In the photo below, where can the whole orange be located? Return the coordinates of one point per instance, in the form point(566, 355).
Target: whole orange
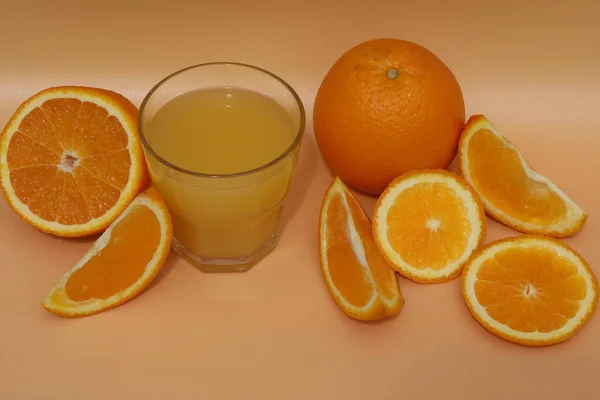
point(387, 106)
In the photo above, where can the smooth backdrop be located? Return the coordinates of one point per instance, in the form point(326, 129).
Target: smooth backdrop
point(274, 333)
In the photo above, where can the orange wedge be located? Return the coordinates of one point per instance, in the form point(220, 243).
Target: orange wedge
point(532, 290)
point(427, 224)
point(511, 191)
point(359, 280)
point(71, 160)
point(120, 264)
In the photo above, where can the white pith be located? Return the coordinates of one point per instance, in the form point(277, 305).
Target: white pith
point(433, 224)
point(65, 164)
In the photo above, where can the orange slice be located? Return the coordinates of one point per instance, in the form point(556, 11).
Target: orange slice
point(359, 280)
point(71, 160)
point(511, 191)
point(120, 264)
point(532, 290)
point(427, 223)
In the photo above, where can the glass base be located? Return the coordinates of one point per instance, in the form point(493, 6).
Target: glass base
point(241, 264)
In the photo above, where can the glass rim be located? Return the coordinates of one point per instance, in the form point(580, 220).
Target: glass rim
point(286, 153)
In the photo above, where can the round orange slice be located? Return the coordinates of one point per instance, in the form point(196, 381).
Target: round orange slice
point(511, 191)
point(360, 282)
point(120, 264)
point(71, 160)
point(427, 224)
point(531, 290)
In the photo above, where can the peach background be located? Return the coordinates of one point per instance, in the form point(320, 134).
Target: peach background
point(274, 333)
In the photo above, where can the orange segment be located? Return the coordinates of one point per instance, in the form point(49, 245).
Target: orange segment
point(108, 138)
point(72, 207)
point(427, 223)
point(531, 290)
point(94, 118)
point(45, 203)
point(359, 280)
point(121, 263)
point(345, 270)
point(25, 152)
point(112, 169)
point(62, 114)
point(489, 157)
point(28, 182)
point(428, 213)
point(35, 125)
point(71, 160)
point(512, 192)
point(100, 195)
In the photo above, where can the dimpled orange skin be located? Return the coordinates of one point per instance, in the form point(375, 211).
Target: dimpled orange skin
point(387, 106)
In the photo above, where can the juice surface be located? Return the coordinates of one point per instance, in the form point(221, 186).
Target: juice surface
point(221, 130)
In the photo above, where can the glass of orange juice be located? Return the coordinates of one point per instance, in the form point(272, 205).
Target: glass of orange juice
point(221, 141)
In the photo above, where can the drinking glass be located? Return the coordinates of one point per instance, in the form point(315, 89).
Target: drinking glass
point(224, 223)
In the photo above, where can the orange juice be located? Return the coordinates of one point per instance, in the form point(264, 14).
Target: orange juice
point(221, 130)
point(212, 138)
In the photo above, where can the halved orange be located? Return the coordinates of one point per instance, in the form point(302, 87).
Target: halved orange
point(511, 191)
point(71, 159)
point(531, 290)
point(120, 264)
point(427, 223)
point(359, 280)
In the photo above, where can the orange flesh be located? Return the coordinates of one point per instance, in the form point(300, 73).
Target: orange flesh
point(382, 274)
point(497, 172)
point(347, 274)
point(427, 225)
point(132, 244)
point(88, 138)
point(530, 289)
